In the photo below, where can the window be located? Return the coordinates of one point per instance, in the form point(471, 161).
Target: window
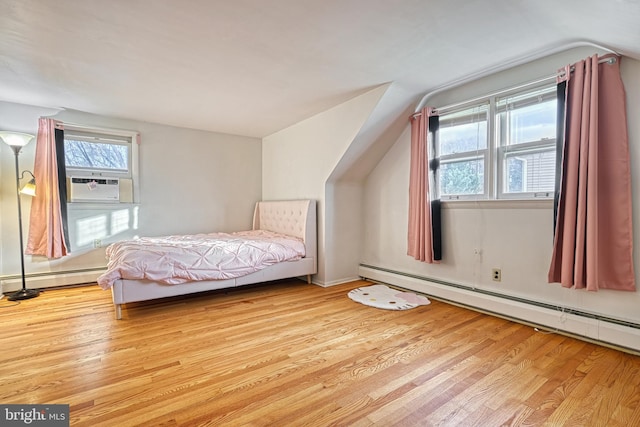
point(498, 147)
point(462, 150)
point(526, 129)
point(99, 154)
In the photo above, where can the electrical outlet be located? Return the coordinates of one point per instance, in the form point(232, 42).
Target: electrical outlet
point(496, 274)
point(97, 243)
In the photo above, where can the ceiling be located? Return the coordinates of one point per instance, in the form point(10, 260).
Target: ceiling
point(253, 67)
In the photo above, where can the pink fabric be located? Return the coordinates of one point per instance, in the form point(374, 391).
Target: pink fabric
point(215, 256)
point(420, 239)
point(593, 243)
point(46, 235)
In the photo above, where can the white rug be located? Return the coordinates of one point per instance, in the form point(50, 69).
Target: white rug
point(382, 296)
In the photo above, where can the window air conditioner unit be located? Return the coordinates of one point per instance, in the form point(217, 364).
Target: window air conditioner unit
point(89, 189)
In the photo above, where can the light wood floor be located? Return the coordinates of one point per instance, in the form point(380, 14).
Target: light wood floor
point(292, 354)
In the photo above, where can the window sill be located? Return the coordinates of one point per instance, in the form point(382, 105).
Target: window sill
point(499, 204)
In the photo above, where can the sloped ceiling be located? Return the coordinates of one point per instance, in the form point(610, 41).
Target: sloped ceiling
point(253, 67)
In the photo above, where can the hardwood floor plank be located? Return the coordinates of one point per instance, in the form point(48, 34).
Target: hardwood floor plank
point(294, 354)
point(611, 397)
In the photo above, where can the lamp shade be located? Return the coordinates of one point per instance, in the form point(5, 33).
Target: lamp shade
point(15, 139)
point(29, 188)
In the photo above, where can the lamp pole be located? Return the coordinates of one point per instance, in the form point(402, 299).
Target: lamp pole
point(16, 141)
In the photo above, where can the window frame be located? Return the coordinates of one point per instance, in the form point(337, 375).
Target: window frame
point(544, 93)
point(495, 178)
point(478, 153)
point(501, 176)
point(110, 136)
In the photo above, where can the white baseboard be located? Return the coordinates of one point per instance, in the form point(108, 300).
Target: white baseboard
point(50, 280)
point(336, 282)
point(626, 338)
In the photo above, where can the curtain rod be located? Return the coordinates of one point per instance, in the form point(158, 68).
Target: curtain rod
point(496, 93)
point(511, 64)
point(608, 60)
point(605, 60)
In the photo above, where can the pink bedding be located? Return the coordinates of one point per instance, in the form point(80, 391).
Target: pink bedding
point(215, 256)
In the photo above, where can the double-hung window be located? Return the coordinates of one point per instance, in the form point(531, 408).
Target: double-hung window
point(498, 147)
point(462, 150)
point(526, 134)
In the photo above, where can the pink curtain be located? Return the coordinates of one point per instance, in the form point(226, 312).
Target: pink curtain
point(593, 241)
point(420, 236)
point(46, 226)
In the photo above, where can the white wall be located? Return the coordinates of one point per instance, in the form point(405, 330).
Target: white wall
point(343, 231)
point(515, 237)
point(190, 181)
point(298, 161)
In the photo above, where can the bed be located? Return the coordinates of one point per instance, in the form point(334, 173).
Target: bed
point(291, 218)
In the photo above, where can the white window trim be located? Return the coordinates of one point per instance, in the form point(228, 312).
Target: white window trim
point(494, 153)
point(484, 153)
point(529, 147)
point(467, 155)
point(135, 158)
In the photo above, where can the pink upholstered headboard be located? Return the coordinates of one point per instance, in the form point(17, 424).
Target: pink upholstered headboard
point(293, 217)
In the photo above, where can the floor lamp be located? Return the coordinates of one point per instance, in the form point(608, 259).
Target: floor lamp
point(16, 141)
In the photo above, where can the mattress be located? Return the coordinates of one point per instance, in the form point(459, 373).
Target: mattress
point(178, 259)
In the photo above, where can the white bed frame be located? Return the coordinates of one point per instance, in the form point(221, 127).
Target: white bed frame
point(295, 218)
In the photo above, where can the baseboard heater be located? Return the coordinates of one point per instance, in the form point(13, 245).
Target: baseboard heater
point(618, 333)
point(52, 279)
